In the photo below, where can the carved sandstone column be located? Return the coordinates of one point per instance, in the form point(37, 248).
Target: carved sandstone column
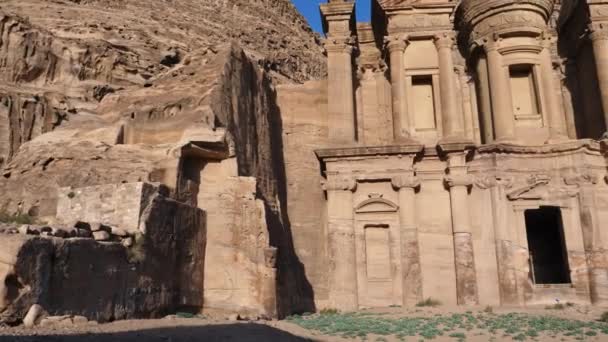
point(557, 122)
point(485, 102)
point(410, 250)
point(341, 104)
point(599, 39)
point(500, 91)
point(459, 181)
point(453, 125)
point(396, 46)
point(343, 292)
point(339, 19)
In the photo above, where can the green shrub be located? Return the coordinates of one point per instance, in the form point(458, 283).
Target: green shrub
point(5, 217)
point(488, 309)
point(558, 306)
point(428, 302)
point(604, 317)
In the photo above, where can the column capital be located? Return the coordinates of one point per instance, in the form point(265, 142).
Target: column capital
point(396, 42)
point(444, 40)
point(405, 181)
point(339, 183)
point(340, 44)
point(598, 31)
point(366, 71)
point(546, 39)
point(489, 43)
point(458, 180)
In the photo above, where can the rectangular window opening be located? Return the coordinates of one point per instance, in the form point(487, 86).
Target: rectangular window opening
point(424, 101)
point(523, 90)
point(547, 247)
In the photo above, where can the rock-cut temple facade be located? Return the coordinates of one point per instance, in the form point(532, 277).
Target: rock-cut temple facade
point(463, 160)
point(456, 151)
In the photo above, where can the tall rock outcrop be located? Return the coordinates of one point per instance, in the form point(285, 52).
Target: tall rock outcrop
point(96, 93)
point(60, 59)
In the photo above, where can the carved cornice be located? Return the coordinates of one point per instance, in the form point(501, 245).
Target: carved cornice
point(339, 183)
point(568, 146)
point(405, 181)
point(405, 149)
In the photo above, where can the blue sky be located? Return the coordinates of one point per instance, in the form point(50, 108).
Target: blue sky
point(310, 10)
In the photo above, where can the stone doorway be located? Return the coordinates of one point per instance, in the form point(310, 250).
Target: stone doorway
point(547, 246)
point(377, 269)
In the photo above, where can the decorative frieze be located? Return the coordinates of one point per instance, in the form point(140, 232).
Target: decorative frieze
point(339, 183)
point(487, 182)
point(583, 178)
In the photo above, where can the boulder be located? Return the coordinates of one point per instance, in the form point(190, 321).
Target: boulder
point(34, 315)
point(118, 232)
point(127, 242)
point(24, 229)
point(59, 232)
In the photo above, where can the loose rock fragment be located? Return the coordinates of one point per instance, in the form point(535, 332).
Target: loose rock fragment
point(101, 235)
point(33, 316)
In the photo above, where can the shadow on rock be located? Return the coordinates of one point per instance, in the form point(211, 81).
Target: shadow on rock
point(211, 333)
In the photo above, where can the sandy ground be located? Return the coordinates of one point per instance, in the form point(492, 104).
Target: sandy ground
point(196, 329)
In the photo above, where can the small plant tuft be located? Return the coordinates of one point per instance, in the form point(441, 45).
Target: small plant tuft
point(137, 252)
point(488, 309)
point(428, 302)
point(329, 311)
point(558, 306)
point(604, 317)
point(71, 194)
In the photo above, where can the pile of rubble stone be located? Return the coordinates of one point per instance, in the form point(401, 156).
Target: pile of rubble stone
point(81, 230)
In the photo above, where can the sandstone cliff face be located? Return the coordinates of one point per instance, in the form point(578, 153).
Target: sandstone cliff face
point(59, 59)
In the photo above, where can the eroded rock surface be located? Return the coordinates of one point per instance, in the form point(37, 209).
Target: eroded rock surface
point(60, 59)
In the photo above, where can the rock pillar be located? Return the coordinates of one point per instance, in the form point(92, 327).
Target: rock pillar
point(401, 123)
point(339, 46)
point(410, 250)
point(459, 182)
point(343, 292)
point(599, 39)
point(557, 122)
point(453, 123)
point(500, 92)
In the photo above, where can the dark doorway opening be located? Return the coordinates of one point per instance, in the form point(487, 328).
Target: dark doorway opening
point(546, 243)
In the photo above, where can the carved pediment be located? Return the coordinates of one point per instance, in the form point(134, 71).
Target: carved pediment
point(538, 187)
point(376, 204)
